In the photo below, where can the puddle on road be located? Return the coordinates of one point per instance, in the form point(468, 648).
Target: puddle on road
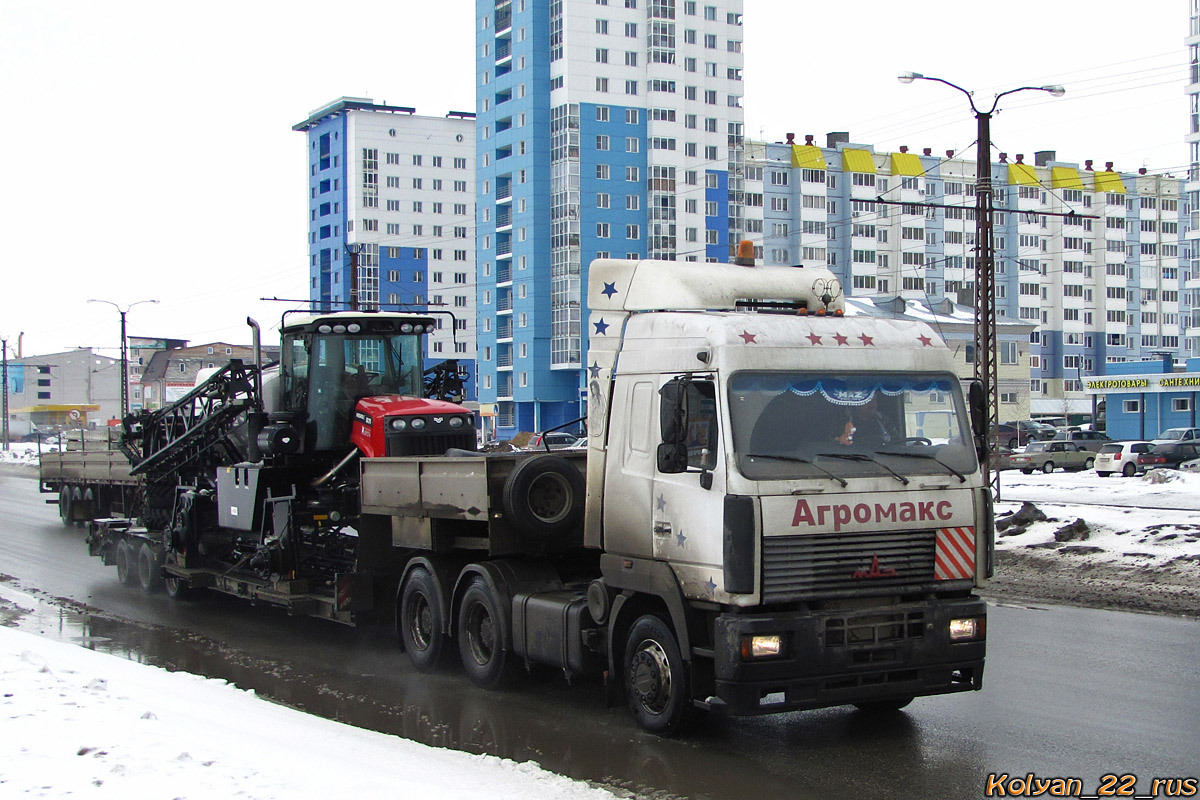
point(563, 728)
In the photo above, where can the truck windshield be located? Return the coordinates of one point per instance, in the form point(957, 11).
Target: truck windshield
point(802, 425)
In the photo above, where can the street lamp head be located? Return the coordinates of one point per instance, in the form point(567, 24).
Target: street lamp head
point(1054, 89)
point(908, 77)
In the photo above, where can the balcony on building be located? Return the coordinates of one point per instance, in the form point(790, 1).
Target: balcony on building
point(504, 357)
point(504, 330)
point(504, 272)
point(504, 217)
point(503, 17)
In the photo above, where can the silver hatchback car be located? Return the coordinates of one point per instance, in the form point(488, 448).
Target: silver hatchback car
point(1120, 457)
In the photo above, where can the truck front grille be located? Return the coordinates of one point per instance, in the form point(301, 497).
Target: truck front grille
point(804, 567)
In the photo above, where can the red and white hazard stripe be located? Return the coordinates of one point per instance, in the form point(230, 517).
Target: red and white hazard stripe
point(954, 558)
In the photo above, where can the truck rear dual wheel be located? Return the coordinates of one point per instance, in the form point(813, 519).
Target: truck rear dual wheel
point(657, 683)
point(127, 567)
point(65, 506)
point(148, 572)
point(421, 623)
point(485, 654)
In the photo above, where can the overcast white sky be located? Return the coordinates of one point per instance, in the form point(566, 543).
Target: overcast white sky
point(150, 153)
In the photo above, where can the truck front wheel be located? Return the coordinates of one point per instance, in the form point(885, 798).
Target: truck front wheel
point(656, 679)
point(421, 623)
point(485, 655)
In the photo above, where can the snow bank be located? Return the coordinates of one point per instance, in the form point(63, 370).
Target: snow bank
point(85, 724)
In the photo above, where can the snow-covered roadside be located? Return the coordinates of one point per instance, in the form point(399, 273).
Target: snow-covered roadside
point(1126, 543)
point(86, 724)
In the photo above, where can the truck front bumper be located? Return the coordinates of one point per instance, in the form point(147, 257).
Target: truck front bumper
point(835, 657)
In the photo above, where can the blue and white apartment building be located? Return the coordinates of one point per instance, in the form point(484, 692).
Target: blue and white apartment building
point(400, 187)
point(604, 129)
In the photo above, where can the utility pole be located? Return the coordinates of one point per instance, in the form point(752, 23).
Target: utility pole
point(986, 363)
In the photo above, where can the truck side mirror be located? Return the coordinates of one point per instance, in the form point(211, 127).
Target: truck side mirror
point(977, 403)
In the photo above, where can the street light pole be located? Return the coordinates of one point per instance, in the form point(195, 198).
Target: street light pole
point(124, 352)
point(986, 363)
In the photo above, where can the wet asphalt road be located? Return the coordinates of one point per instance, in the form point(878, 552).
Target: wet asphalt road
point(1067, 692)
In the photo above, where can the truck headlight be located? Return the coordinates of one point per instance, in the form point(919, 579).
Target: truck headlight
point(418, 424)
point(762, 646)
point(967, 629)
point(399, 424)
point(456, 422)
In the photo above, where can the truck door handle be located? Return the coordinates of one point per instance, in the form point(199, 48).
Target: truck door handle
point(662, 528)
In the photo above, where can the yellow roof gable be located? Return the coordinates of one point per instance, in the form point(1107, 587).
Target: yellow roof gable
point(1021, 175)
point(858, 161)
point(1065, 178)
point(807, 156)
point(1109, 182)
point(906, 164)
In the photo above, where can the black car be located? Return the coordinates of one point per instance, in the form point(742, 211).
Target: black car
point(1169, 455)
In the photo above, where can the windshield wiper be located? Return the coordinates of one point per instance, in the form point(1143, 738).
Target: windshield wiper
point(961, 478)
point(798, 460)
point(863, 457)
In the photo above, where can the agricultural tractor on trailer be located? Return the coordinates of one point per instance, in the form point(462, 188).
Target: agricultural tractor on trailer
point(758, 524)
point(247, 484)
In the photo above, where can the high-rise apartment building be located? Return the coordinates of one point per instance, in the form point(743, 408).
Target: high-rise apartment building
point(606, 128)
point(1192, 340)
point(1089, 256)
point(399, 188)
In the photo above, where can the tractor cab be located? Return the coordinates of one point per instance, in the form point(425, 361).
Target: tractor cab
point(331, 361)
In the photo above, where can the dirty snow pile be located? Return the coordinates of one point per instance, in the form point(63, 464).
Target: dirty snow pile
point(1147, 521)
point(22, 453)
point(84, 724)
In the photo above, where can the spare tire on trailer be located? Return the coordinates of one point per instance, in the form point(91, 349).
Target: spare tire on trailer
point(544, 497)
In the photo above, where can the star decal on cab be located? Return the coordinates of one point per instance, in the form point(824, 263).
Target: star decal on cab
point(841, 340)
point(748, 338)
point(601, 327)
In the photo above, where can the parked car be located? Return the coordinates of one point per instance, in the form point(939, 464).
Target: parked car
point(1121, 457)
point(556, 440)
point(1000, 457)
point(1049, 456)
point(1015, 434)
point(1191, 466)
point(1169, 455)
point(1089, 438)
point(1177, 435)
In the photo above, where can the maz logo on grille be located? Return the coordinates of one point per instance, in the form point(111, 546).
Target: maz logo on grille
point(875, 571)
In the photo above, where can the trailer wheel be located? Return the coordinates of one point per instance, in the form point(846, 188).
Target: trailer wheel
point(485, 655)
point(544, 497)
point(883, 706)
point(656, 679)
point(127, 568)
point(149, 575)
point(421, 622)
point(64, 505)
point(177, 588)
